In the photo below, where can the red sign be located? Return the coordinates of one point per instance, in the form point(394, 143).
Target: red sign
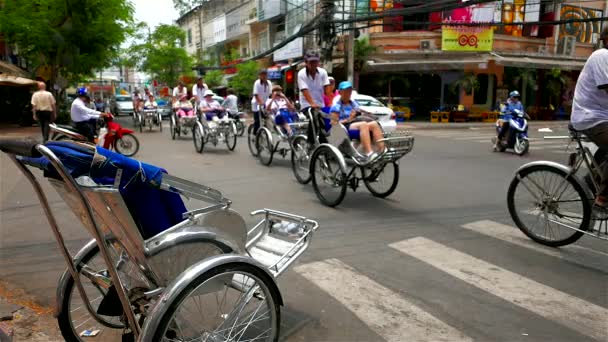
point(231, 71)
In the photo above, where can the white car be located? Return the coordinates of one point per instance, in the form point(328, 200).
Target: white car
point(370, 104)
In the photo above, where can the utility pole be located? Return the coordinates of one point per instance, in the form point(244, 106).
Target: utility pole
point(350, 52)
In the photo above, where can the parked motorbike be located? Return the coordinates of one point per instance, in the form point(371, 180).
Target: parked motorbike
point(111, 135)
point(516, 137)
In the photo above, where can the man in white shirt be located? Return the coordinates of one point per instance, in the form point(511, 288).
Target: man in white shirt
point(590, 107)
point(261, 92)
point(179, 91)
point(231, 102)
point(83, 117)
point(313, 82)
point(44, 108)
point(199, 89)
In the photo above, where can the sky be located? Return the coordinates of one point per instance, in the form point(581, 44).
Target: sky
point(155, 12)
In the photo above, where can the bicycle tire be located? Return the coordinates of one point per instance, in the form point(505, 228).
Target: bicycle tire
point(587, 210)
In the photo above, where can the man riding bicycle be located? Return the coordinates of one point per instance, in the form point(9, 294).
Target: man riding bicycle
point(590, 107)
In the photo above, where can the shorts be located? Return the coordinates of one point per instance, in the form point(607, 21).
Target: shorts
point(285, 117)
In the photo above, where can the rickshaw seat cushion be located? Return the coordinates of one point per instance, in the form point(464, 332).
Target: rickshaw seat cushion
point(153, 210)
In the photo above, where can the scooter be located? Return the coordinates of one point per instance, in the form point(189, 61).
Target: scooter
point(112, 136)
point(516, 137)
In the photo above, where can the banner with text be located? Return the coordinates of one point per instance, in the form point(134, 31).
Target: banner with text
point(466, 38)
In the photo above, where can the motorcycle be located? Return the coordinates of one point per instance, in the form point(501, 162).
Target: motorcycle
point(111, 136)
point(516, 137)
point(239, 122)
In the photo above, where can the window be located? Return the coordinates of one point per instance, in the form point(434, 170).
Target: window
point(189, 36)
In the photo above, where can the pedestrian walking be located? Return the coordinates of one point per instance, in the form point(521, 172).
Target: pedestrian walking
point(44, 109)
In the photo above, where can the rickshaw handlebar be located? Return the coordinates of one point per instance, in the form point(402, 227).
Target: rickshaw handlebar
point(23, 147)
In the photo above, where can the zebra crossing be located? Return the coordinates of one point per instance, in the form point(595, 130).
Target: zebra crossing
point(537, 140)
point(397, 315)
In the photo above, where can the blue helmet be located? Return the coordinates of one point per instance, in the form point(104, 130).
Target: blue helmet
point(514, 93)
point(82, 91)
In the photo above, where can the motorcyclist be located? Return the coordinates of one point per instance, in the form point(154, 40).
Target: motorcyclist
point(84, 118)
point(513, 104)
point(590, 107)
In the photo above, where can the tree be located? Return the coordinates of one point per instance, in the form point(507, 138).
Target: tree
point(468, 83)
point(161, 54)
point(214, 78)
point(69, 38)
point(362, 51)
point(245, 76)
point(555, 81)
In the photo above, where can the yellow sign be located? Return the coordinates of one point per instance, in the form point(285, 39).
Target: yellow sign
point(466, 38)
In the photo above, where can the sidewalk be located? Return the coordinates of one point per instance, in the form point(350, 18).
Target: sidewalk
point(16, 131)
point(423, 125)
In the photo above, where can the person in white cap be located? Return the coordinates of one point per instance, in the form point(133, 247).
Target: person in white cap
point(313, 82)
point(209, 106)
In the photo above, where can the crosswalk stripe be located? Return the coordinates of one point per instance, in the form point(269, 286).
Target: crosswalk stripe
point(570, 311)
point(385, 312)
point(513, 235)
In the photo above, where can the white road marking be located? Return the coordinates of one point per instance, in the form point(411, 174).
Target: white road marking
point(572, 253)
point(385, 312)
point(575, 313)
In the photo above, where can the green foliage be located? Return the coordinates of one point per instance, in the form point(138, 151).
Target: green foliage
point(231, 55)
point(214, 78)
point(246, 75)
point(73, 38)
point(161, 53)
point(555, 81)
point(468, 83)
point(363, 49)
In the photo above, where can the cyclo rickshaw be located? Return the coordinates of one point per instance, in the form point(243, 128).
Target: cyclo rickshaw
point(181, 126)
point(214, 127)
point(330, 158)
point(149, 116)
point(154, 270)
point(271, 138)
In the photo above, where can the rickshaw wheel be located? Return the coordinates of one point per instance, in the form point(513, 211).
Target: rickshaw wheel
point(238, 288)
point(300, 159)
point(265, 146)
point(251, 142)
point(381, 180)
point(198, 136)
point(172, 127)
point(328, 175)
point(160, 122)
point(231, 133)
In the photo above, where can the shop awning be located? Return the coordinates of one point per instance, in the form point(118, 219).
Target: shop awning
point(539, 63)
point(12, 70)
point(423, 64)
point(6, 80)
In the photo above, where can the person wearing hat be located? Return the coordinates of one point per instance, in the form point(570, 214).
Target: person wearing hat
point(328, 100)
point(313, 82)
point(199, 89)
point(84, 118)
point(261, 93)
point(282, 109)
point(210, 107)
point(345, 112)
point(590, 107)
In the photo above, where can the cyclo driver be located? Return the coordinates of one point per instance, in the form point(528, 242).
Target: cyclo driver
point(84, 118)
point(590, 108)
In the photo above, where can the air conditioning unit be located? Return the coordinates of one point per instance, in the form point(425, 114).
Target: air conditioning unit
point(426, 44)
point(543, 50)
point(566, 46)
